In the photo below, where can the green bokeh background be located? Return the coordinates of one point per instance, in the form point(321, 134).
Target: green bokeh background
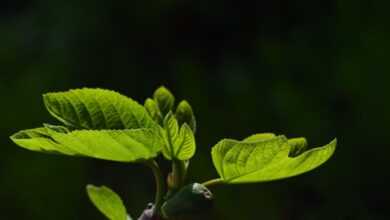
point(318, 69)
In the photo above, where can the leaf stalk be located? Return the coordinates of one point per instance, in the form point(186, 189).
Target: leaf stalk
point(160, 185)
point(213, 182)
point(179, 172)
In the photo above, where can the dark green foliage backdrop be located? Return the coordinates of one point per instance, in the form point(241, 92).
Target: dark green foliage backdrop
point(302, 68)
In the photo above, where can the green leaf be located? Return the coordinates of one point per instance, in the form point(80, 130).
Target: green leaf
point(262, 158)
point(164, 99)
point(180, 143)
point(108, 202)
point(97, 109)
point(298, 146)
point(118, 145)
point(38, 139)
point(56, 128)
point(184, 114)
point(260, 136)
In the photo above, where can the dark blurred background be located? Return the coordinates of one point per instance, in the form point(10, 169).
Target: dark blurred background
point(302, 68)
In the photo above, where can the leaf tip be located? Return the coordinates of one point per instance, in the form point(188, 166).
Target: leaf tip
point(185, 114)
point(333, 143)
point(90, 188)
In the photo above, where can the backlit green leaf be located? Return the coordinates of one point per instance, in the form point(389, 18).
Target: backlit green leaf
point(97, 109)
point(260, 136)
point(108, 202)
point(264, 157)
point(117, 145)
point(38, 139)
point(180, 143)
point(298, 146)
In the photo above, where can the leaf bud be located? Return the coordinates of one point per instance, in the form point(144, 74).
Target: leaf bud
point(184, 114)
point(153, 110)
point(164, 99)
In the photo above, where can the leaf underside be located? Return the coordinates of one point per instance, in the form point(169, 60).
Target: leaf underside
point(265, 157)
point(117, 145)
point(108, 202)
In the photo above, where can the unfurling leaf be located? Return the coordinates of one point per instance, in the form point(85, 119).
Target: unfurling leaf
point(118, 145)
point(184, 114)
point(97, 109)
point(179, 143)
point(164, 99)
point(266, 157)
point(108, 202)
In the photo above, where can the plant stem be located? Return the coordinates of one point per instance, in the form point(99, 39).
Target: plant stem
point(179, 173)
point(212, 182)
point(160, 186)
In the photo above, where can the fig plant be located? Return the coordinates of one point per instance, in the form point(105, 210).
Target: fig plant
point(106, 125)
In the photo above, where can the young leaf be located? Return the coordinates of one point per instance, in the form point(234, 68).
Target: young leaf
point(180, 143)
point(97, 109)
point(118, 145)
point(184, 114)
point(153, 110)
point(108, 202)
point(164, 99)
point(260, 158)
